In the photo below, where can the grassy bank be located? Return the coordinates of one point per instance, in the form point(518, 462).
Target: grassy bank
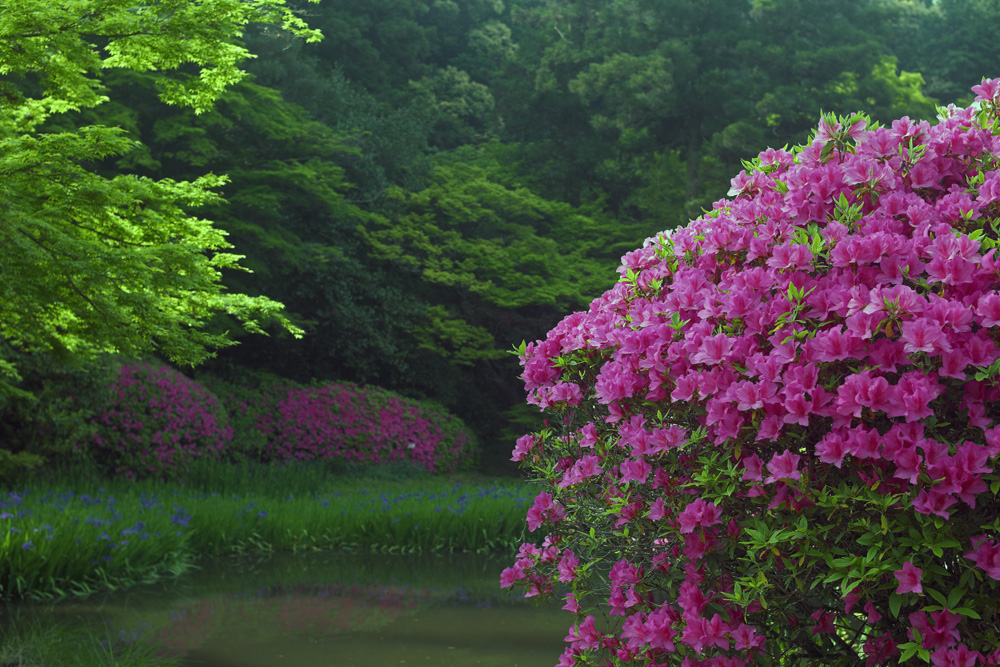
point(70, 535)
point(32, 644)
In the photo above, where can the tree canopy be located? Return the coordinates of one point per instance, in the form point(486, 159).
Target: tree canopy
point(115, 262)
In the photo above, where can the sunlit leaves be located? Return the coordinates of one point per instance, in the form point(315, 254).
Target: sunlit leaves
point(117, 264)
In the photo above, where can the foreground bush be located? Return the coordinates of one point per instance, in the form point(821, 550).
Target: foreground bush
point(156, 423)
point(778, 431)
point(285, 421)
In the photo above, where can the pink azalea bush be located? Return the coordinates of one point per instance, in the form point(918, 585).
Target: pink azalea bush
point(351, 423)
point(156, 423)
point(774, 440)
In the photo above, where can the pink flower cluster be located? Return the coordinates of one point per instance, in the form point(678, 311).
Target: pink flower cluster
point(158, 422)
point(806, 373)
point(353, 423)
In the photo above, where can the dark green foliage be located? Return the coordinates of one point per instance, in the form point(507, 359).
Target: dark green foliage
point(464, 109)
point(634, 87)
point(952, 43)
point(51, 409)
point(425, 68)
point(388, 144)
point(380, 44)
point(492, 255)
point(290, 210)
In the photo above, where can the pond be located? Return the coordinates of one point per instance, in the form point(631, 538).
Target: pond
point(328, 610)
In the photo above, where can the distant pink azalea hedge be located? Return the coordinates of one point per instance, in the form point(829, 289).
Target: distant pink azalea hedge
point(354, 423)
point(158, 422)
point(774, 441)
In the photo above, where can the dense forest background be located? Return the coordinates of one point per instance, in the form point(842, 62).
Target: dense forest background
point(438, 180)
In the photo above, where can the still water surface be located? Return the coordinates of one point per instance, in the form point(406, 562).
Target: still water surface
point(332, 610)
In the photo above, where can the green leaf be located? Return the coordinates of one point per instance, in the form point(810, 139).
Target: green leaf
point(895, 600)
point(955, 597)
point(965, 611)
point(937, 596)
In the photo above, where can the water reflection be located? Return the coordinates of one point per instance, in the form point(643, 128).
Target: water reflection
point(435, 636)
point(331, 610)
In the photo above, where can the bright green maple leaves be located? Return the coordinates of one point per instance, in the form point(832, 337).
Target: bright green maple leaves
point(91, 263)
point(65, 45)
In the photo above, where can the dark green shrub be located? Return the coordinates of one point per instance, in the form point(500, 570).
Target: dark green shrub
point(50, 409)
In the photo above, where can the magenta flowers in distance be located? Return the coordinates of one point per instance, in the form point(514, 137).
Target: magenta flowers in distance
point(823, 349)
point(157, 423)
point(160, 421)
point(353, 423)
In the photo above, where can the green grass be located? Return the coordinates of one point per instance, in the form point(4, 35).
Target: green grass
point(73, 535)
point(31, 643)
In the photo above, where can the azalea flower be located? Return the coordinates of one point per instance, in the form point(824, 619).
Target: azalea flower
point(567, 567)
point(987, 91)
point(699, 514)
point(701, 633)
point(783, 466)
point(908, 578)
point(986, 554)
point(824, 623)
point(745, 637)
point(938, 628)
point(584, 636)
point(635, 470)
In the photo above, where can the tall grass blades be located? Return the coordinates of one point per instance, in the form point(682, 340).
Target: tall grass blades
point(274, 480)
point(32, 642)
point(455, 518)
point(63, 542)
